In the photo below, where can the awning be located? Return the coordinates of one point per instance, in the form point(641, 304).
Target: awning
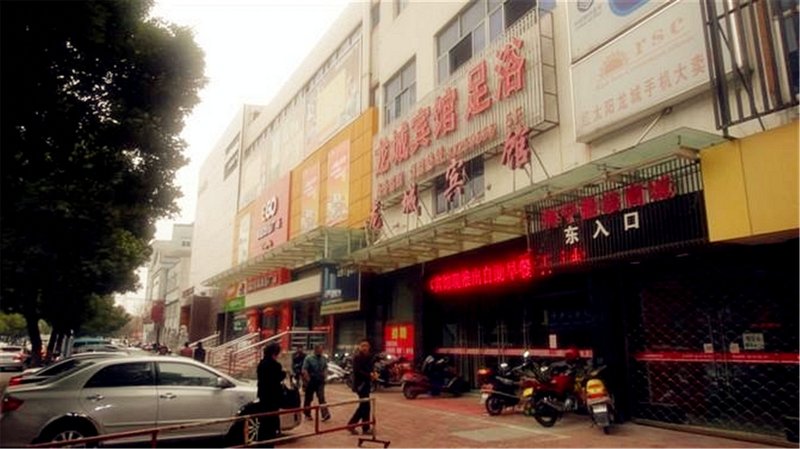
point(504, 218)
point(321, 245)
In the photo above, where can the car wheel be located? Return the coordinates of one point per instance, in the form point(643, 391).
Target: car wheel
point(70, 431)
point(236, 435)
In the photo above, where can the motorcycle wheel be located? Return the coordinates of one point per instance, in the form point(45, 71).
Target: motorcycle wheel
point(494, 405)
point(409, 392)
point(545, 415)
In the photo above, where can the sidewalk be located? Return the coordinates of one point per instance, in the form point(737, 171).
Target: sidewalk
point(463, 422)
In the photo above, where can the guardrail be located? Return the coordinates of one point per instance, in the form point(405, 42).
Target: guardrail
point(247, 357)
point(315, 410)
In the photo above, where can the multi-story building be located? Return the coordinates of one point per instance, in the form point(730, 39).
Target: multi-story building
point(620, 177)
point(167, 277)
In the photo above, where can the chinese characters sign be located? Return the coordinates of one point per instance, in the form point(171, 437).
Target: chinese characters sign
point(469, 114)
point(399, 340)
point(641, 72)
point(651, 213)
point(309, 202)
point(490, 274)
point(338, 184)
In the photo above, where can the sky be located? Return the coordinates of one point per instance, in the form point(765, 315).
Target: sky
point(251, 48)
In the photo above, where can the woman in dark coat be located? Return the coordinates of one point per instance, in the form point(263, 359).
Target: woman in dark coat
point(270, 391)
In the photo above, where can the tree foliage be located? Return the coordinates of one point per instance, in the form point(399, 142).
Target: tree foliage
point(94, 96)
point(12, 325)
point(103, 317)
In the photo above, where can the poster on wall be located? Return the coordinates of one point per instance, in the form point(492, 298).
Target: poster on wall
point(341, 292)
point(399, 340)
point(309, 202)
point(334, 100)
point(243, 240)
point(337, 200)
point(592, 23)
point(271, 218)
point(643, 71)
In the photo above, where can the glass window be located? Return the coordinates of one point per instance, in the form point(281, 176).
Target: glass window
point(122, 375)
point(461, 53)
point(514, 9)
point(185, 375)
point(473, 15)
point(448, 38)
point(478, 38)
point(495, 25)
point(400, 92)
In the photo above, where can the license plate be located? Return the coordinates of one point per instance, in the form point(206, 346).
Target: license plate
point(527, 392)
point(484, 397)
point(599, 408)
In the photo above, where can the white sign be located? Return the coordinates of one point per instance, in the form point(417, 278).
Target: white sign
point(753, 341)
point(656, 64)
point(553, 341)
point(592, 23)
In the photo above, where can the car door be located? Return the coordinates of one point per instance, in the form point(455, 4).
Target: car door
point(122, 396)
point(188, 392)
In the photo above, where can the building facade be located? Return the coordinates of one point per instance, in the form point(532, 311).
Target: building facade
point(620, 177)
point(167, 277)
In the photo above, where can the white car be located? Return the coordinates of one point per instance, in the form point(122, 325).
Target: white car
point(119, 394)
point(12, 358)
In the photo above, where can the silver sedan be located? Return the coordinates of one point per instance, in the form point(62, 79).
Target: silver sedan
point(110, 395)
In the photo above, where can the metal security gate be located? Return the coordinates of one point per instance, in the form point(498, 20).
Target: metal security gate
point(713, 341)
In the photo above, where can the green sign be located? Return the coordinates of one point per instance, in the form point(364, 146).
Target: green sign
point(235, 304)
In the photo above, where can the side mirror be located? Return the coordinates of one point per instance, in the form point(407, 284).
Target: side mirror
point(224, 383)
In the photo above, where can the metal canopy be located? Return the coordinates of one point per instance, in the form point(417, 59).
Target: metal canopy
point(504, 218)
point(323, 244)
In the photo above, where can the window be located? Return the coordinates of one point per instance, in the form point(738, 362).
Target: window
point(399, 6)
point(480, 23)
point(473, 187)
point(122, 375)
point(186, 243)
point(400, 92)
point(185, 375)
point(231, 165)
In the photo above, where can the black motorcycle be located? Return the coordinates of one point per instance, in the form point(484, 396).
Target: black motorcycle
point(505, 386)
point(389, 371)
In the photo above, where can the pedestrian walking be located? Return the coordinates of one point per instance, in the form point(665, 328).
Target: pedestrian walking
point(186, 351)
point(362, 383)
point(298, 357)
point(315, 369)
point(270, 391)
point(200, 353)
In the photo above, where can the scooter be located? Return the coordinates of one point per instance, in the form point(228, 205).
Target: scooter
point(434, 377)
point(389, 371)
point(338, 373)
point(505, 387)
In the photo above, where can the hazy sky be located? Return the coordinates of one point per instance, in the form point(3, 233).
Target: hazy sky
point(251, 48)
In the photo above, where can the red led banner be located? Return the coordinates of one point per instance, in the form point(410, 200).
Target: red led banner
point(501, 272)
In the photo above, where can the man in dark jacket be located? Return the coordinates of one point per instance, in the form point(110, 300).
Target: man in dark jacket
point(200, 353)
point(362, 383)
point(298, 357)
point(270, 391)
point(315, 369)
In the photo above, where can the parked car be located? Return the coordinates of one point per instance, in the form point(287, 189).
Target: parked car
point(12, 358)
point(118, 394)
point(75, 362)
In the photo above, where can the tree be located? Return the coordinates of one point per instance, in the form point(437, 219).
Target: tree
point(94, 98)
point(12, 325)
point(104, 317)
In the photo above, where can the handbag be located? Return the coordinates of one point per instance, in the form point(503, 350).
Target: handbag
point(290, 397)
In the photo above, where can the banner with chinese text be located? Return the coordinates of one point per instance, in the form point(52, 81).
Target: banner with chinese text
point(338, 197)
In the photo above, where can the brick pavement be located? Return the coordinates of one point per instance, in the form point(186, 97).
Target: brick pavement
point(462, 422)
